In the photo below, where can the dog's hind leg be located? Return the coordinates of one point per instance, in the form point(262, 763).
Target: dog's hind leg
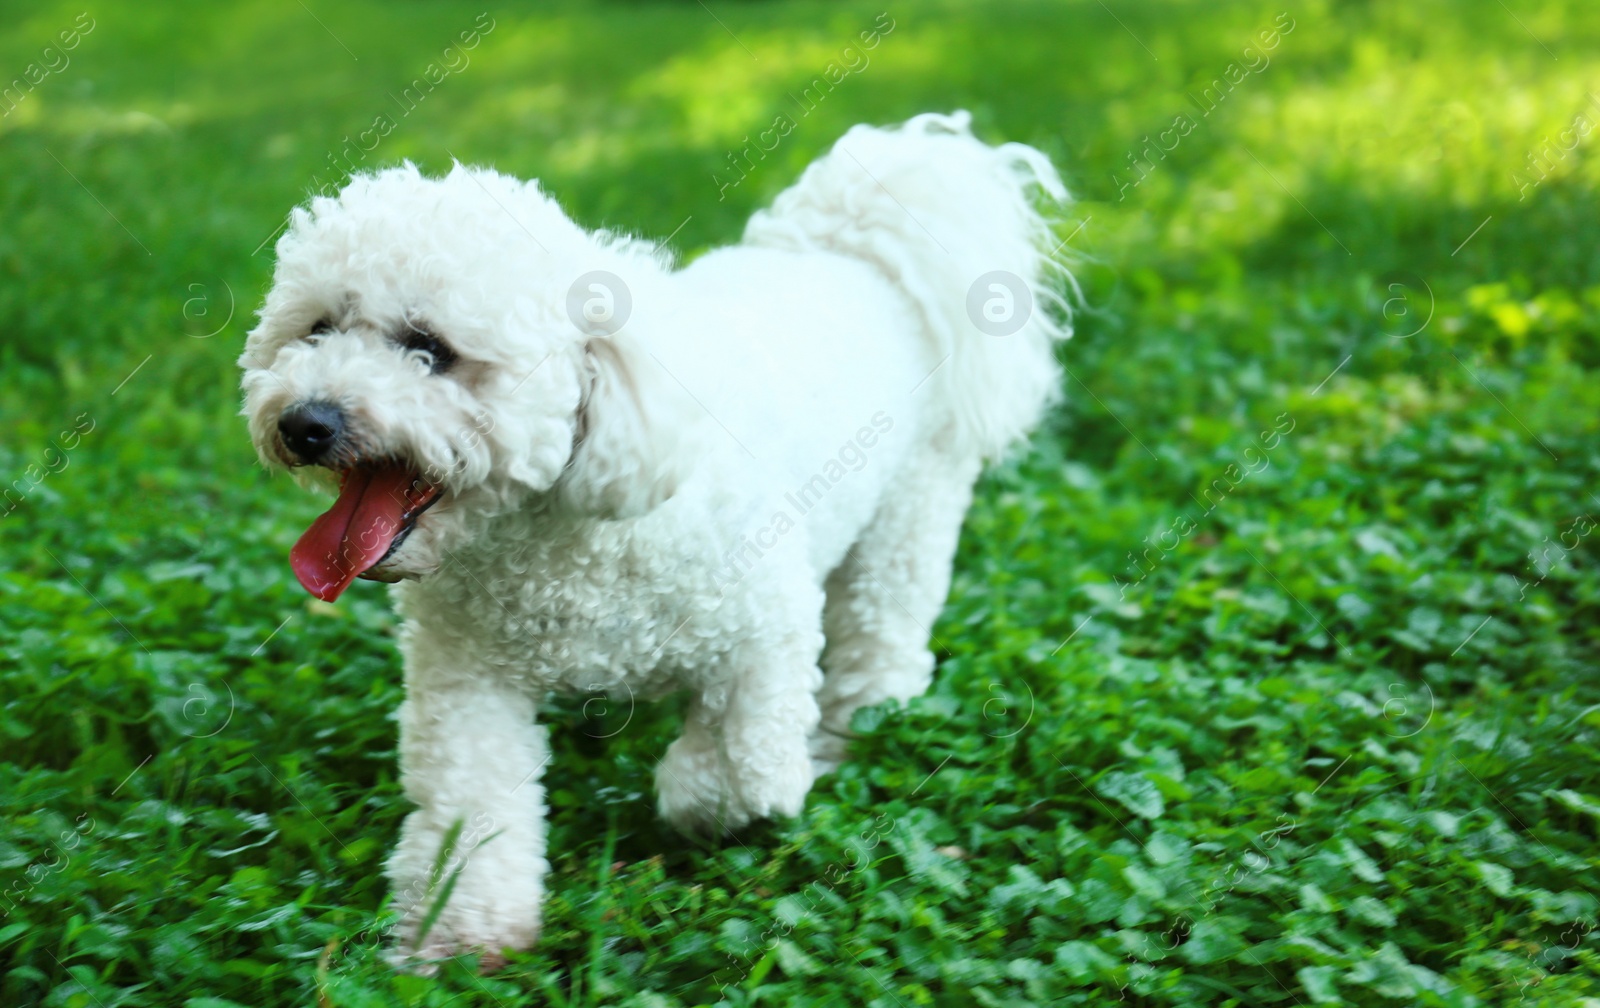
point(884, 596)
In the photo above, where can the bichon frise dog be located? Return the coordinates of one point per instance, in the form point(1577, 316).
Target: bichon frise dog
point(590, 470)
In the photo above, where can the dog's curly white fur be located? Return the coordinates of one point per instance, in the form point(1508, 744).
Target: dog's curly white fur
point(751, 491)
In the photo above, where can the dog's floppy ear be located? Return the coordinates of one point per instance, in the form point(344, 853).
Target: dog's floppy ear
point(630, 449)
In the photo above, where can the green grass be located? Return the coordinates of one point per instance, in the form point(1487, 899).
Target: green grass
point(1334, 742)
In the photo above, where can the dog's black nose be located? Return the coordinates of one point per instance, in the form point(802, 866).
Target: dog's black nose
point(310, 429)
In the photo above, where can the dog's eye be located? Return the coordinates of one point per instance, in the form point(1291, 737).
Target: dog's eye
point(426, 348)
point(321, 329)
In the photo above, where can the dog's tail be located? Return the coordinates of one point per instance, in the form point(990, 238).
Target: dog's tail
point(952, 221)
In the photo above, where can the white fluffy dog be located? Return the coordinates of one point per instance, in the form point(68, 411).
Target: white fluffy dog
point(592, 471)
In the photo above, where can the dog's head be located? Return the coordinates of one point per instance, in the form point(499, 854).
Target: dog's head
point(440, 350)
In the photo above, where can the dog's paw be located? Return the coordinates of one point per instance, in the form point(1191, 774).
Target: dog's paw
point(690, 791)
point(486, 914)
point(775, 790)
point(426, 959)
point(701, 794)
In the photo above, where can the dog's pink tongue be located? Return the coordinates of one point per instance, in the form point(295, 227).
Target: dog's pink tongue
point(354, 534)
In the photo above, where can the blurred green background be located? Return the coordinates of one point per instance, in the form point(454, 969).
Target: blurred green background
point(1335, 743)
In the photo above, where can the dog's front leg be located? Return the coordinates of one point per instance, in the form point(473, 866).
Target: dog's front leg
point(744, 753)
point(468, 872)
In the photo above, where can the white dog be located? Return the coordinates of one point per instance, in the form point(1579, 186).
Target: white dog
point(590, 470)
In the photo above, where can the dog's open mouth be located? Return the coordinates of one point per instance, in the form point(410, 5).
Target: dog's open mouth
point(377, 507)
